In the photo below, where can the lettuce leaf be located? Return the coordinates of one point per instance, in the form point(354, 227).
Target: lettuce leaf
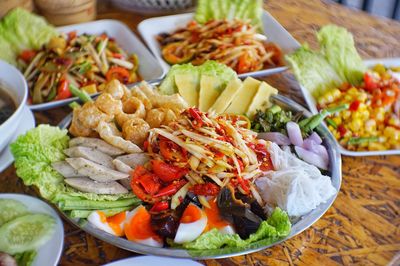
point(337, 44)
point(336, 62)
point(313, 71)
point(35, 151)
point(210, 67)
point(230, 9)
point(274, 228)
point(23, 30)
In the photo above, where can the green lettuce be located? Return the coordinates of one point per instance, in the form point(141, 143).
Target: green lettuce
point(212, 68)
point(230, 9)
point(337, 61)
point(23, 30)
point(35, 151)
point(337, 44)
point(313, 71)
point(213, 242)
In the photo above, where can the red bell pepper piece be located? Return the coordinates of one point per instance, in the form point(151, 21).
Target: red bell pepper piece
point(167, 172)
point(27, 55)
point(195, 113)
point(369, 82)
point(206, 189)
point(63, 91)
point(160, 206)
point(171, 189)
point(354, 105)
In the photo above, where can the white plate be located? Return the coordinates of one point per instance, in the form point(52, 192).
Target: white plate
point(27, 122)
point(389, 62)
point(150, 28)
point(49, 254)
point(152, 261)
point(149, 68)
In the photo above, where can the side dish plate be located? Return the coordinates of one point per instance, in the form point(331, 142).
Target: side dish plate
point(149, 68)
point(298, 226)
point(50, 253)
point(150, 28)
point(389, 62)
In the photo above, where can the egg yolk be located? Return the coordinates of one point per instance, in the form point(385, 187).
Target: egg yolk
point(114, 222)
point(191, 214)
point(214, 219)
point(139, 228)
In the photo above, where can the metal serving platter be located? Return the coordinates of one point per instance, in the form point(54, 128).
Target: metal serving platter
point(298, 226)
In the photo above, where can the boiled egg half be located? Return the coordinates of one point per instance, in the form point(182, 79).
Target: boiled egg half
point(113, 225)
point(192, 224)
point(138, 228)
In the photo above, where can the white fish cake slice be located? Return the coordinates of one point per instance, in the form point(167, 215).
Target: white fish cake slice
point(95, 171)
point(86, 184)
point(91, 154)
point(98, 144)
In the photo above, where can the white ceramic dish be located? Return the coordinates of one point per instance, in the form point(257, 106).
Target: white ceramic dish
point(153, 260)
point(15, 85)
point(390, 62)
point(27, 122)
point(49, 254)
point(149, 68)
point(150, 28)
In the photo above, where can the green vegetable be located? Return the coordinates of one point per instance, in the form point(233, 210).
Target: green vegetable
point(275, 227)
point(230, 9)
point(11, 209)
point(26, 258)
point(35, 151)
point(23, 30)
point(361, 140)
point(274, 119)
point(337, 61)
point(337, 44)
point(74, 105)
point(26, 233)
point(80, 204)
point(107, 212)
point(309, 124)
point(82, 95)
point(84, 67)
point(313, 71)
point(212, 68)
point(331, 123)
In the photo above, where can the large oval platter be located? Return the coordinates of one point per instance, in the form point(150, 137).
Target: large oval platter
point(298, 226)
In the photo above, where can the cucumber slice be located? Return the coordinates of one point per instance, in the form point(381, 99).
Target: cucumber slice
point(26, 233)
point(11, 209)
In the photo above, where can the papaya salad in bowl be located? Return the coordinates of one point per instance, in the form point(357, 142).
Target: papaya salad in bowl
point(147, 172)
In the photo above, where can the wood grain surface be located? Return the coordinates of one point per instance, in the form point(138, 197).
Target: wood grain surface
point(363, 225)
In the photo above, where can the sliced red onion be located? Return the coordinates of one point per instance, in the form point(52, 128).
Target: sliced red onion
point(312, 146)
point(294, 133)
point(276, 137)
point(311, 158)
point(315, 137)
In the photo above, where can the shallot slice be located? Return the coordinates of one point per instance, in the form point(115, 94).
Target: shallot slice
point(294, 133)
point(311, 158)
point(276, 137)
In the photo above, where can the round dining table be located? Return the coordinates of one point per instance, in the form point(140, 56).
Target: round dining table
point(363, 225)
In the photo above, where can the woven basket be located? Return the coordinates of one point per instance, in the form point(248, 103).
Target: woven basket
point(154, 6)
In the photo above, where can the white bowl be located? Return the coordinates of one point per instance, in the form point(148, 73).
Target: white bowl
point(14, 83)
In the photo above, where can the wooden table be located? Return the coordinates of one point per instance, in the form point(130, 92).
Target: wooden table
point(363, 225)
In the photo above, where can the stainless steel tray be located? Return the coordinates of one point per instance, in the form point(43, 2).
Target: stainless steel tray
point(298, 226)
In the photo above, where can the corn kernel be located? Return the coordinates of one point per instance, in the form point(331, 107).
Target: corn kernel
point(336, 93)
point(353, 91)
point(337, 120)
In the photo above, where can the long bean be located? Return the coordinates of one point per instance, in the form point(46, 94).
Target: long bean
point(95, 205)
point(361, 140)
point(83, 95)
point(107, 212)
